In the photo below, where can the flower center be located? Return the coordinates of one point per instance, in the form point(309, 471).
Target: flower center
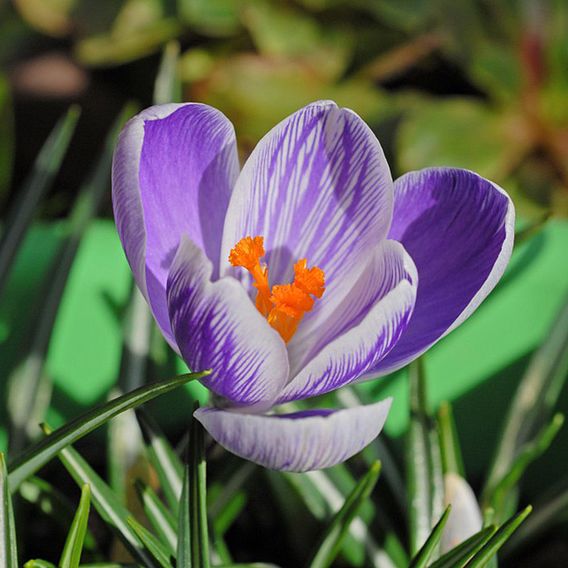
point(283, 305)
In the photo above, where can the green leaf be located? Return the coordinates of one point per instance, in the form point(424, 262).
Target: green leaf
point(459, 555)
point(421, 558)
point(424, 463)
point(490, 548)
point(162, 520)
point(29, 389)
point(73, 548)
point(36, 185)
point(184, 556)
point(339, 526)
point(211, 17)
point(452, 460)
point(151, 543)
point(8, 545)
point(167, 87)
point(533, 402)
point(39, 454)
point(105, 502)
point(37, 563)
point(164, 460)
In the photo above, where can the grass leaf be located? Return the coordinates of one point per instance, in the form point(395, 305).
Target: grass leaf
point(459, 555)
point(339, 526)
point(420, 560)
point(8, 545)
point(151, 543)
point(40, 453)
point(73, 548)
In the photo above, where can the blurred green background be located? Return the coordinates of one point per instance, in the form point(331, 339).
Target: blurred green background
point(479, 84)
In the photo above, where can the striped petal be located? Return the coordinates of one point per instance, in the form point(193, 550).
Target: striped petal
point(317, 186)
point(217, 327)
point(459, 229)
point(353, 353)
point(303, 441)
point(173, 171)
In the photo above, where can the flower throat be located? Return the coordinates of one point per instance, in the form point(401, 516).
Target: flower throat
point(283, 305)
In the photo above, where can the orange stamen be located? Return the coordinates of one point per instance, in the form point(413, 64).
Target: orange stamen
point(285, 305)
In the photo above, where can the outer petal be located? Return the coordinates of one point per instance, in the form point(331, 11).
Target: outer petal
point(317, 186)
point(173, 172)
point(459, 229)
point(217, 327)
point(386, 266)
point(354, 353)
point(296, 442)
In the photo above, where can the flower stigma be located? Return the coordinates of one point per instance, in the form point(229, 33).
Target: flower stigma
point(283, 305)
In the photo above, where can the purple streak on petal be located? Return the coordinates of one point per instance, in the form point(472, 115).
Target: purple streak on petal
point(354, 353)
point(294, 442)
point(217, 327)
point(317, 186)
point(459, 229)
point(173, 171)
point(387, 264)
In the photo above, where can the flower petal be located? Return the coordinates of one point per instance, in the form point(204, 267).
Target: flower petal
point(355, 352)
point(459, 229)
point(173, 171)
point(317, 186)
point(386, 266)
point(217, 327)
point(296, 442)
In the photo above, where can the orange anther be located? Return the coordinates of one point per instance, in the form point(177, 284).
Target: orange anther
point(286, 304)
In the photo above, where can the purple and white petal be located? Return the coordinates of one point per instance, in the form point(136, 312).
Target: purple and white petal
point(459, 229)
point(353, 353)
point(317, 186)
point(303, 441)
point(217, 327)
point(173, 171)
point(387, 264)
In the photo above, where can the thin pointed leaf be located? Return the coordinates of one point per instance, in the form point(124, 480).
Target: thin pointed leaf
point(184, 556)
point(528, 454)
point(424, 463)
point(105, 502)
point(167, 87)
point(73, 548)
point(533, 403)
point(491, 547)
point(162, 520)
point(421, 559)
point(452, 460)
point(458, 556)
point(44, 170)
point(151, 543)
point(339, 526)
point(29, 390)
point(8, 545)
point(39, 454)
point(198, 497)
point(164, 460)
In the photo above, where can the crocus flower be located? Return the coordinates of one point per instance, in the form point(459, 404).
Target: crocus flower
point(304, 271)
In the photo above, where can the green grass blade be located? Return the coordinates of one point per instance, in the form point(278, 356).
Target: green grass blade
point(184, 554)
point(29, 390)
point(421, 559)
point(425, 491)
point(105, 502)
point(163, 458)
point(162, 520)
point(528, 454)
point(73, 548)
point(490, 548)
point(167, 87)
point(8, 545)
point(151, 543)
point(45, 168)
point(458, 556)
point(40, 453)
point(533, 402)
point(452, 460)
point(339, 526)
